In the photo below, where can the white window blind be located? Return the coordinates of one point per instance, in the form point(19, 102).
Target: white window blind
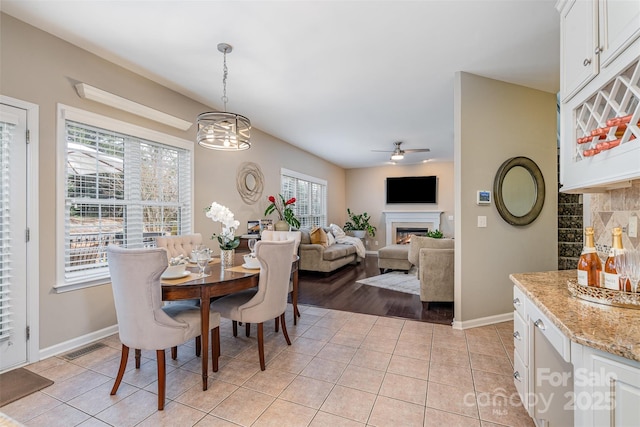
point(120, 190)
point(6, 135)
point(311, 197)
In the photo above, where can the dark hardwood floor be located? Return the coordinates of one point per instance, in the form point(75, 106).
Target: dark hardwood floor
point(339, 291)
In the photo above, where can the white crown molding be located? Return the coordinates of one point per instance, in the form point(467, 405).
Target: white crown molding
point(98, 95)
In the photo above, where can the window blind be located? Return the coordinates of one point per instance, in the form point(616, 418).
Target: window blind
point(120, 190)
point(311, 197)
point(6, 136)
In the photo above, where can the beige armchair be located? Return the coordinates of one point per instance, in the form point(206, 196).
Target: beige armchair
point(434, 260)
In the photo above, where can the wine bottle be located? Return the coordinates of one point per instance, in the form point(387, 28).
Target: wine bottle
point(611, 276)
point(589, 265)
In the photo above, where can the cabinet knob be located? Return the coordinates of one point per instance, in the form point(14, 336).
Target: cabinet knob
point(539, 324)
point(516, 302)
point(517, 336)
point(586, 62)
point(598, 50)
point(516, 375)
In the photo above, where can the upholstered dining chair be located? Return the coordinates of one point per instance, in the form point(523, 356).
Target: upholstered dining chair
point(277, 236)
point(179, 245)
point(269, 300)
point(143, 323)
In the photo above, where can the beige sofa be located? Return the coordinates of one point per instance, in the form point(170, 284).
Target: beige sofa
point(315, 257)
point(434, 259)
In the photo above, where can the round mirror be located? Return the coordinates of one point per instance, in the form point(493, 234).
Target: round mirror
point(519, 190)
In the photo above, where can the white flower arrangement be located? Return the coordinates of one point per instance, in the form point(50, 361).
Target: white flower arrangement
point(222, 214)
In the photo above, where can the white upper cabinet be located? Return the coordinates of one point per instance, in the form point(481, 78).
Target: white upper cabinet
point(579, 64)
point(600, 94)
point(619, 26)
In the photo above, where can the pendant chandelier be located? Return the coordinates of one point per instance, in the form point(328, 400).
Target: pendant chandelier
point(223, 130)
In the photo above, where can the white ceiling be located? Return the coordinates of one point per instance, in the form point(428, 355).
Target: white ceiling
point(335, 78)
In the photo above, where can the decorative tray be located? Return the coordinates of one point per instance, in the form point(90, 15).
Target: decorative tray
point(604, 295)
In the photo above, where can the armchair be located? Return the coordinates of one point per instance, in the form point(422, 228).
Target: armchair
point(434, 261)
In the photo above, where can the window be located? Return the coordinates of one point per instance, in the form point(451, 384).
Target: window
point(122, 185)
point(311, 197)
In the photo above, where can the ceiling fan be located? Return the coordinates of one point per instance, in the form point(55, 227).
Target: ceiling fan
point(398, 153)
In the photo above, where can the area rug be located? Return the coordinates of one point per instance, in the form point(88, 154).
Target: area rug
point(396, 281)
point(19, 383)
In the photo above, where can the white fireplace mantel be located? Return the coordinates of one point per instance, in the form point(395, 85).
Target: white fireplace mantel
point(392, 217)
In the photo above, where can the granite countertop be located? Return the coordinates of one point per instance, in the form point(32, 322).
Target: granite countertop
point(611, 329)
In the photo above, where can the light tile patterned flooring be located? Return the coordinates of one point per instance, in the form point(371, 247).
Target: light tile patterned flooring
point(342, 369)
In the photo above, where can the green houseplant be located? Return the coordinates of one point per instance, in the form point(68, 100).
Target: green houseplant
point(359, 222)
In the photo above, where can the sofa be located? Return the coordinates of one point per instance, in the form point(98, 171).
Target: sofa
point(434, 259)
point(326, 257)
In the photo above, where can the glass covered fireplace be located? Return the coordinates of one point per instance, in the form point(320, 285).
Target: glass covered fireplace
point(403, 234)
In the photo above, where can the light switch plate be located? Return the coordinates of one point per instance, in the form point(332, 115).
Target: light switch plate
point(482, 221)
point(633, 226)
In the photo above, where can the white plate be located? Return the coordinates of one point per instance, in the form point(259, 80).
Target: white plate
point(250, 268)
point(175, 276)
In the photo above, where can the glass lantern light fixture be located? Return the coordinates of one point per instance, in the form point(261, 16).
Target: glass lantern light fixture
point(223, 130)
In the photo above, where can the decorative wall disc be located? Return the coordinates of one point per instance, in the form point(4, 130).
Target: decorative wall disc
point(249, 182)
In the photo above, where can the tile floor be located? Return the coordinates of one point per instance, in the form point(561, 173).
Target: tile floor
point(342, 369)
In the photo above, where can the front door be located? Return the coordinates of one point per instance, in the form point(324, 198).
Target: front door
point(13, 238)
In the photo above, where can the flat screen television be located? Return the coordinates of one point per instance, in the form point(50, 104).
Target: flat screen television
point(412, 189)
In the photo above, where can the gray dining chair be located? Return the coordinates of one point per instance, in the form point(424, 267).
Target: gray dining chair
point(143, 322)
point(277, 236)
point(269, 300)
point(179, 245)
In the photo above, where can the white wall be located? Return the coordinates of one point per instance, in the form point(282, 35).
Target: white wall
point(493, 122)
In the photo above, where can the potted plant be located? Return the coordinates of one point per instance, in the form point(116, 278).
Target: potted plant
point(359, 225)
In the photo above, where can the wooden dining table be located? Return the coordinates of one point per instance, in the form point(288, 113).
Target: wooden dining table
point(219, 281)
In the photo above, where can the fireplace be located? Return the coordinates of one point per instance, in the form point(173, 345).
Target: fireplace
point(403, 234)
point(426, 220)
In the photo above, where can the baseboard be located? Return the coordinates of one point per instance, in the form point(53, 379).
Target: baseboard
point(483, 321)
point(74, 343)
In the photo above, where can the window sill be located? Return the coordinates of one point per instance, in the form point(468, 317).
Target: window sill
point(68, 287)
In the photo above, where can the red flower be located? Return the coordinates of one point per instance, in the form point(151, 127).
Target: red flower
point(290, 201)
point(272, 199)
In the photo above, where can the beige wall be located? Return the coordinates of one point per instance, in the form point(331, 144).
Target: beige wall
point(42, 69)
point(493, 122)
point(366, 192)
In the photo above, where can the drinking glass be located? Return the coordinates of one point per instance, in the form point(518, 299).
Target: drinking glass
point(194, 252)
point(620, 263)
point(252, 245)
point(203, 257)
point(633, 269)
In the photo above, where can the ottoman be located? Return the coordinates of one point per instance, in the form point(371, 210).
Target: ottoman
point(394, 257)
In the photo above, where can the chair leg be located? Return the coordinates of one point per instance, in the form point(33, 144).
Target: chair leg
point(174, 353)
point(261, 346)
point(215, 348)
point(247, 327)
point(277, 320)
point(138, 353)
point(123, 365)
point(235, 328)
point(162, 378)
point(284, 329)
point(198, 345)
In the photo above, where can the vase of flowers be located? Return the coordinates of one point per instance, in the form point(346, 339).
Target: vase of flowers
point(226, 238)
point(286, 216)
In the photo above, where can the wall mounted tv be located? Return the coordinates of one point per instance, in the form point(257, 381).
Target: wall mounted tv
point(412, 189)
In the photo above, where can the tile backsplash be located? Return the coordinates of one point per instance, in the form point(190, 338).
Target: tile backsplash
point(613, 209)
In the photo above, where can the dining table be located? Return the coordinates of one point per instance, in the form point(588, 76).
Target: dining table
point(218, 281)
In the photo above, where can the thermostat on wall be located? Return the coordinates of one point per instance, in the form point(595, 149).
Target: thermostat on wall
point(484, 197)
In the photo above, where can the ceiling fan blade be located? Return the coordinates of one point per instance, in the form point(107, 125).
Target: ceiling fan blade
point(417, 150)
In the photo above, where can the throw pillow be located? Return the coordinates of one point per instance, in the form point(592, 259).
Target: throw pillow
point(330, 239)
point(337, 231)
point(318, 236)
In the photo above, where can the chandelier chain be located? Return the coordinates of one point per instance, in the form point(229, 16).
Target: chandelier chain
point(225, 72)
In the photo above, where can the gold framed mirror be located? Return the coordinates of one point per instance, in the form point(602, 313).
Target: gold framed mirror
point(519, 190)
